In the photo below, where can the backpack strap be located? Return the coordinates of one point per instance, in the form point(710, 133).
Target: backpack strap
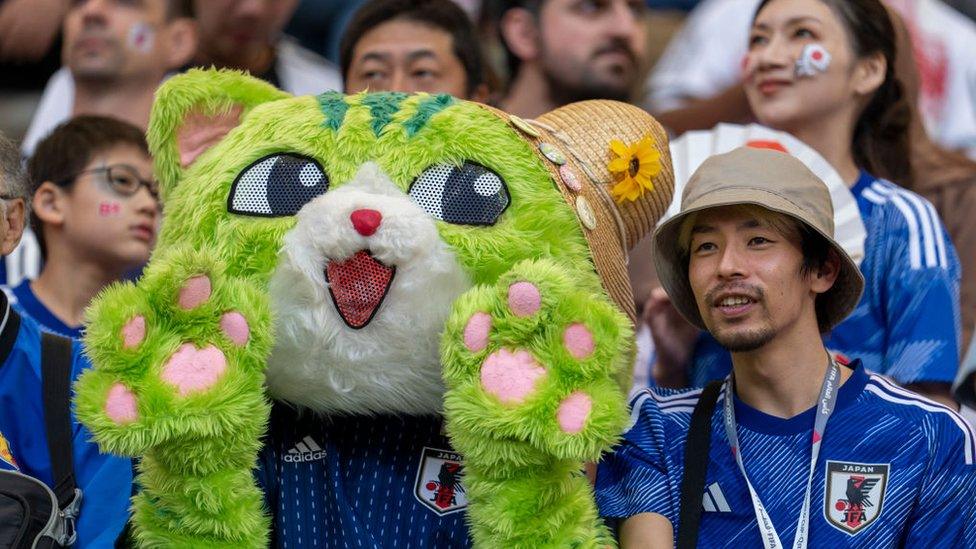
point(696, 466)
point(56, 394)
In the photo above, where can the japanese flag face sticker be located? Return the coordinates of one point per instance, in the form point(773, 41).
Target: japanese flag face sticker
point(813, 59)
point(141, 37)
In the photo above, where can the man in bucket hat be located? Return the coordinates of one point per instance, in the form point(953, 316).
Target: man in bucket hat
point(793, 449)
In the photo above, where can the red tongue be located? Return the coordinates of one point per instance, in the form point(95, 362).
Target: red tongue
point(358, 286)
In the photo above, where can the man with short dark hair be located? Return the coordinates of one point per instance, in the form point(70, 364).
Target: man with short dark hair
point(413, 46)
point(561, 51)
point(803, 451)
point(95, 216)
point(105, 481)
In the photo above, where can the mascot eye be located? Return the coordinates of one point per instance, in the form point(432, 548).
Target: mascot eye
point(277, 186)
point(469, 194)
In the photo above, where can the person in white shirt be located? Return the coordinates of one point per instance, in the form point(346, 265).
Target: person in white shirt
point(697, 79)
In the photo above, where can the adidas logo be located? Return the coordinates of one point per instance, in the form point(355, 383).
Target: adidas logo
point(714, 500)
point(306, 450)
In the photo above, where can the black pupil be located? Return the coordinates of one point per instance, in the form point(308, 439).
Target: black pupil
point(473, 195)
point(291, 185)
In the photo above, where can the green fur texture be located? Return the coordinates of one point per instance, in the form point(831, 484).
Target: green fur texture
point(522, 472)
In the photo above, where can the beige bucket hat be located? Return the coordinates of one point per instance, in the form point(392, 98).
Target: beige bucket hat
point(769, 179)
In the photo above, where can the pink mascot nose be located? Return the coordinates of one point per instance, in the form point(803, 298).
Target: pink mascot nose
point(366, 221)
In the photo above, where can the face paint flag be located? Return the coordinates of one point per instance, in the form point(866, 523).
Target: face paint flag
point(141, 37)
point(854, 494)
point(813, 59)
point(108, 209)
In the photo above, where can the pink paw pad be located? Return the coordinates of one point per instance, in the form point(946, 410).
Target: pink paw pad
point(133, 332)
point(510, 376)
point(120, 406)
point(573, 412)
point(476, 332)
point(578, 341)
point(524, 298)
point(235, 327)
point(191, 369)
point(195, 291)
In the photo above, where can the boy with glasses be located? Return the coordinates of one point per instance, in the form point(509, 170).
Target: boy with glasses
point(95, 216)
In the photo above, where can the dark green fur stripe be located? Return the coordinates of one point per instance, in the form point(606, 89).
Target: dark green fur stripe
point(427, 109)
point(382, 107)
point(334, 107)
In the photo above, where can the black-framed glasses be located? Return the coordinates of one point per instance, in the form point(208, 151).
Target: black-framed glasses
point(121, 178)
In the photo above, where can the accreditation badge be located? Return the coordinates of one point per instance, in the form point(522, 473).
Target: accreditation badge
point(855, 494)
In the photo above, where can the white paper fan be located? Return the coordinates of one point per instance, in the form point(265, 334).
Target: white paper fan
point(691, 149)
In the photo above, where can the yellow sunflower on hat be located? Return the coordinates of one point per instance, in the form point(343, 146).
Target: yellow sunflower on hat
point(633, 166)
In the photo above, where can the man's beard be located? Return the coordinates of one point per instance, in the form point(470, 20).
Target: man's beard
point(750, 340)
point(589, 84)
point(102, 71)
point(745, 342)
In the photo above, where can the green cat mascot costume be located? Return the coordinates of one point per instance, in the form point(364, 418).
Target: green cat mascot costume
point(414, 258)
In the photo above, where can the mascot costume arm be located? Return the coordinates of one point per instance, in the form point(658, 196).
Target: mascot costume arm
point(179, 357)
point(504, 304)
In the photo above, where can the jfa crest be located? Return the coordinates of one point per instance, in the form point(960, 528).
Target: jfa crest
point(854, 494)
point(438, 484)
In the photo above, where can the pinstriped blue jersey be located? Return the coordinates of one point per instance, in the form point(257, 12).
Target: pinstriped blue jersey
point(894, 469)
point(361, 482)
point(907, 324)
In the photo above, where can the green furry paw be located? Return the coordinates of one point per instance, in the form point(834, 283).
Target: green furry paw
point(178, 380)
point(177, 356)
point(529, 365)
point(532, 359)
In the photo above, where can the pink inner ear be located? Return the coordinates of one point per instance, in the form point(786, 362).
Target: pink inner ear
point(199, 132)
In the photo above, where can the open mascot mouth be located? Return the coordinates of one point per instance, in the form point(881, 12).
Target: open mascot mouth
point(357, 286)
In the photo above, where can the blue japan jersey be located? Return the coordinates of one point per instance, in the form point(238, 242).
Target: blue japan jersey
point(361, 481)
point(895, 470)
point(23, 299)
point(105, 480)
point(907, 324)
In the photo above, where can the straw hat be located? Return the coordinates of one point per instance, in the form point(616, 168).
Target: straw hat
point(578, 143)
point(769, 179)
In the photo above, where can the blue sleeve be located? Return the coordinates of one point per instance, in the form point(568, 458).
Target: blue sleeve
point(946, 508)
point(710, 361)
point(634, 478)
point(920, 289)
point(105, 481)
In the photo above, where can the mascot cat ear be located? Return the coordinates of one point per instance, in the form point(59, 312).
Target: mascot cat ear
point(194, 111)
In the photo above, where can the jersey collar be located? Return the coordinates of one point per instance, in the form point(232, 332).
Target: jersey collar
point(761, 422)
